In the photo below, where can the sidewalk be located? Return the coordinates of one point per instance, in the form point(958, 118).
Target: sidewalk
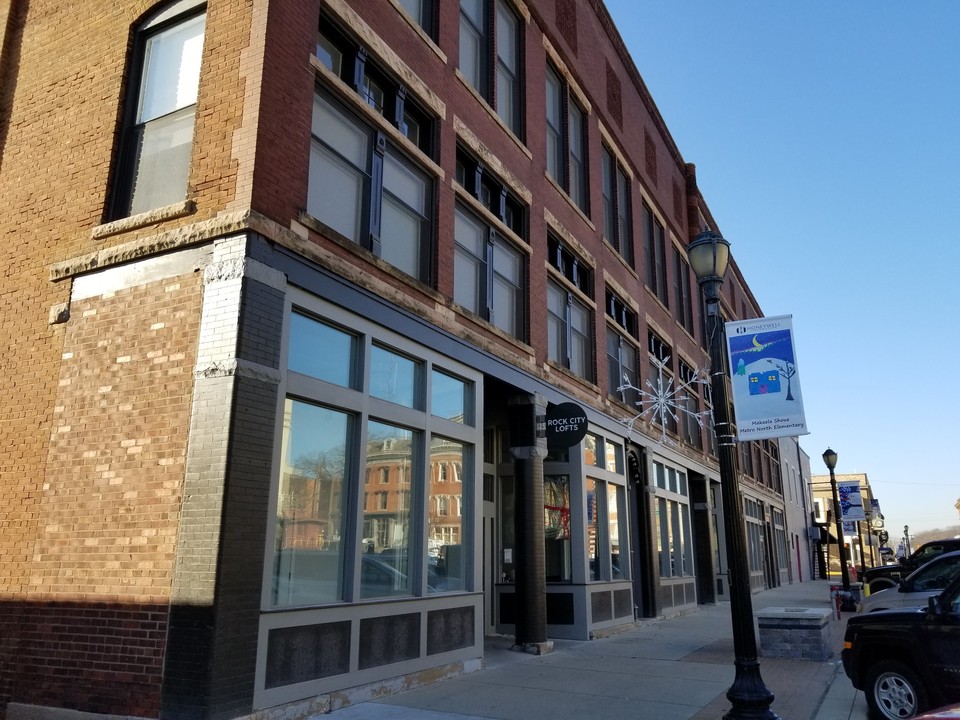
point(673, 669)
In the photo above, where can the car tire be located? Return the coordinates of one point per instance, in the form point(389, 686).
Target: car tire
point(894, 692)
point(881, 584)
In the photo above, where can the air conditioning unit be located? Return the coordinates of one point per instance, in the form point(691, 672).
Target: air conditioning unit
point(813, 533)
point(820, 506)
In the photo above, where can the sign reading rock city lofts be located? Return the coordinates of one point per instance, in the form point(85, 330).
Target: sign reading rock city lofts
point(763, 374)
point(566, 425)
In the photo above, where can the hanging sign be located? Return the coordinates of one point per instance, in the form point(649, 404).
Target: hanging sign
point(566, 425)
point(764, 378)
point(851, 502)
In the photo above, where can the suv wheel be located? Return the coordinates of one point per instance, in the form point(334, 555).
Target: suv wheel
point(893, 691)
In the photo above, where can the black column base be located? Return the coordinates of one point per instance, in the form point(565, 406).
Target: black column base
point(750, 698)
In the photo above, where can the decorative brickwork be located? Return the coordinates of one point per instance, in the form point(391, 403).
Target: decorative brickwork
point(614, 96)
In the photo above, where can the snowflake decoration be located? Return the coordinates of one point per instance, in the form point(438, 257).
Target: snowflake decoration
point(663, 399)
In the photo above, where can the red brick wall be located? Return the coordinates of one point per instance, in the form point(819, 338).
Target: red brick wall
point(90, 629)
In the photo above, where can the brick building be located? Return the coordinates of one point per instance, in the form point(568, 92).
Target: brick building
point(288, 288)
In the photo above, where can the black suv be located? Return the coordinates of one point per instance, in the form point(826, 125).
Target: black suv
point(887, 576)
point(906, 661)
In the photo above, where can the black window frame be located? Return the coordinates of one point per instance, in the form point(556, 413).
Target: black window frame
point(580, 276)
point(691, 431)
point(682, 292)
point(654, 249)
point(486, 302)
point(122, 191)
point(621, 333)
point(660, 350)
point(617, 211)
point(490, 61)
point(566, 174)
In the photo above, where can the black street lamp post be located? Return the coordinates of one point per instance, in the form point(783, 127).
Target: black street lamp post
point(749, 697)
point(830, 460)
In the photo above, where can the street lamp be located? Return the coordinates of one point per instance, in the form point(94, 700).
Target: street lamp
point(830, 460)
point(750, 698)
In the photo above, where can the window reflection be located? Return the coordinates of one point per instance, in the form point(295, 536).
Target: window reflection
point(322, 351)
point(385, 565)
point(393, 377)
point(556, 517)
point(446, 560)
point(448, 398)
point(308, 564)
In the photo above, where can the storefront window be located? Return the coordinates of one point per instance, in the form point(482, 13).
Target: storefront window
point(404, 517)
point(674, 536)
point(593, 550)
point(385, 545)
point(446, 561)
point(556, 520)
point(616, 509)
point(308, 560)
point(322, 351)
point(394, 378)
point(448, 398)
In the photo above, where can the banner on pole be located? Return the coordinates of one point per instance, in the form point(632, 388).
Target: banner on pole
point(851, 502)
point(764, 378)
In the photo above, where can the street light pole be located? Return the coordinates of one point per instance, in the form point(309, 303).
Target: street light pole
point(749, 697)
point(830, 460)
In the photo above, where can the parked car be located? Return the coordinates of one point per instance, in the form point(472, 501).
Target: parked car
point(886, 576)
point(906, 661)
point(919, 585)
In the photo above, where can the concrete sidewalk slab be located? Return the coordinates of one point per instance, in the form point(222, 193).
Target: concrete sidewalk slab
point(671, 669)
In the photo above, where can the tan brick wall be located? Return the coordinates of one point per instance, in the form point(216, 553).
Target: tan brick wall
point(111, 499)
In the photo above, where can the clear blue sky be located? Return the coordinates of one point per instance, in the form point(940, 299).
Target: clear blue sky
point(826, 137)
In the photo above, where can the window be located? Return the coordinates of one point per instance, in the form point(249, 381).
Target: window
point(622, 352)
point(653, 249)
point(753, 511)
point(690, 420)
point(681, 291)
point(423, 12)
point(489, 274)
point(569, 330)
point(566, 145)
point(158, 133)
point(556, 528)
point(369, 420)
point(617, 222)
point(490, 39)
point(673, 533)
point(491, 192)
point(661, 375)
point(605, 503)
point(364, 189)
point(376, 88)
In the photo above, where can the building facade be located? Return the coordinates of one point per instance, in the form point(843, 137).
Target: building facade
point(290, 289)
point(860, 538)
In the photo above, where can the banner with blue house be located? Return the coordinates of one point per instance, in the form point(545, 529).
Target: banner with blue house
point(765, 382)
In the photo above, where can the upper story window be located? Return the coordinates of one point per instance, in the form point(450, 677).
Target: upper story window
point(681, 291)
point(490, 56)
point(362, 184)
point(352, 64)
point(654, 251)
point(617, 220)
point(570, 325)
point(690, 401)
point(158, 131)
point(661, 376)
point(622, 351)
point(566, 144)
point(489, 274)
point(368, 191)
point(492, 193)
point(424, 12)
